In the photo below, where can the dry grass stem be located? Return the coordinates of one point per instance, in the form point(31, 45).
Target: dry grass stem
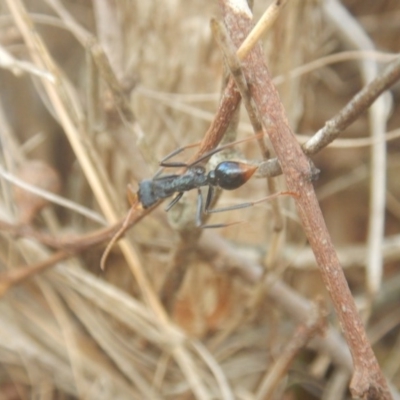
point(93, 96)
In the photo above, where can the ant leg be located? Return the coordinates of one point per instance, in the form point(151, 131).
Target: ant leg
point(223, 147)
point(174, 201)
point(178, 164)
point(163, 162)
point(212, 226)
point(210, 196)
point(250, 203)
point(199, 211)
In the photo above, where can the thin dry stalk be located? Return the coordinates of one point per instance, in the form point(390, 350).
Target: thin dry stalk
point(145, 77)
point(378, 115)
point(332, 129)
point(368, 380)
point(302, 335)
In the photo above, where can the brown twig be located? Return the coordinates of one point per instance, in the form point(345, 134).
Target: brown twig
point(223, 122)
point(227, 258)
point(304, 332)
point(231, 96)
point(229, 102)
point(354, 34)
point(353, 109)
point(68, 246)
point(368, 381)
point(21, 274)
point(76, 242)
point(232, 59)
point(233, 63)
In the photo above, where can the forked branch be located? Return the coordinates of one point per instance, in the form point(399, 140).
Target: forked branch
point(368, 381)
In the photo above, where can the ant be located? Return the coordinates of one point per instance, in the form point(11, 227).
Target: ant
point(227, 175)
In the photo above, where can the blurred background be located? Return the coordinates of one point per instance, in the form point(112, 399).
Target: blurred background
point(93, 95)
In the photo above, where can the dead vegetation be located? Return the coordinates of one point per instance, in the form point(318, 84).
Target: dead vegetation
point(102, 92)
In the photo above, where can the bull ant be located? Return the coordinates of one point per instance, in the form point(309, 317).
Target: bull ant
point(227, 175)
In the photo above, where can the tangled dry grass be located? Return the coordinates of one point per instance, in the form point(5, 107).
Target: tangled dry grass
point(181, 313)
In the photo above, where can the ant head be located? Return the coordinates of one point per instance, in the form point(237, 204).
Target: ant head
point(230, 175)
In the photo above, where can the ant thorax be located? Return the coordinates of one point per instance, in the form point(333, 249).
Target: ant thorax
point(196, 170)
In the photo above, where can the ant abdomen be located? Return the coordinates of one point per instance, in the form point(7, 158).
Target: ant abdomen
point(230, 175)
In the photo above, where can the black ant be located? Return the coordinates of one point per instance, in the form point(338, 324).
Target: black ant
point(228, 175)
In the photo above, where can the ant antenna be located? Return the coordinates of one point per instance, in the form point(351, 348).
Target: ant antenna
point(225, 146)
point(210, 153)
point(250, 203)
